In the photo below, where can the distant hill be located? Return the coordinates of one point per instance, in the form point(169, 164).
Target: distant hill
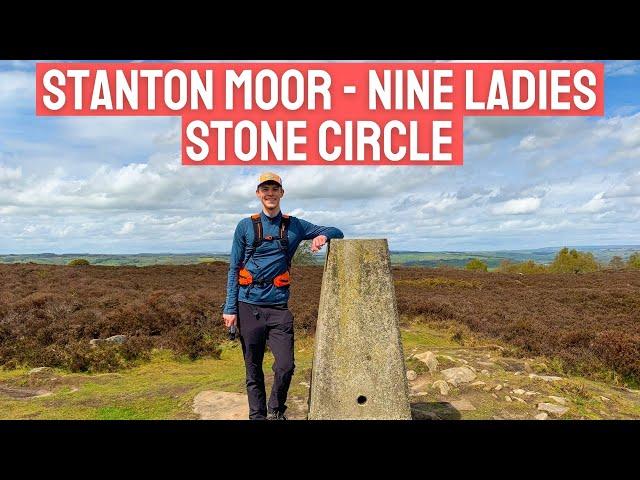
point(138, 259)
point(602, 253)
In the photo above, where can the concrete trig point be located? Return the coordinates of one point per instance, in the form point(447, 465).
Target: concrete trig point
point(358, 364)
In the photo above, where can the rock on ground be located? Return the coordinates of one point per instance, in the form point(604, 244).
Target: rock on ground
point(41, 371)
point(458, 375)
point(553, 408)
point(411, 375)
point(546, 378)
point(429, 359)
point(212, 405)
point(542, 416)
point(442, 385)
point(560, 400)
point(119, 339)
point(463, 405)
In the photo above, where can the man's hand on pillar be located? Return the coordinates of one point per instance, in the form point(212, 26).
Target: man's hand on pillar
point(318, 242)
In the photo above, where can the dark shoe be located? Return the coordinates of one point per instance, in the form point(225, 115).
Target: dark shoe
point(276, 416)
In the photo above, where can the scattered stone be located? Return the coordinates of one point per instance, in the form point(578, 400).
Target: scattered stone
point(41, 371)
point(487, 388)
point(529, 394)
point(494, 396)
point(472, 368)
point(521, 400)
point(458, 375)
point(517, 373)
point(462, 405)
point(518, 391)
point(498, 388)
point(421, 384)
point(212, 405)
point(484, 372)
point(507, 398)
point(442, 386)
point(542, 416)
point(486, 364)
point(411, 375)
point(119, 339)
point(546, 378)
point(478, 383)
point(464, 361)
point(553, 408)
point(429, 359)
point(450, 358)
point(419, 394)
point(560, 400)
point(605, 399)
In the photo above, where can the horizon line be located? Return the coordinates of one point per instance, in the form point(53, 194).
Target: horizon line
point(323, 252)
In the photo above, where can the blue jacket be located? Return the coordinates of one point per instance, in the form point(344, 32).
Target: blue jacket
point(268, 261)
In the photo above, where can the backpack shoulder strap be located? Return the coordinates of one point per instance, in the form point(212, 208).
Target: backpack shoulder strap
point(284, 228)
point(284, 238)
point(257, 230)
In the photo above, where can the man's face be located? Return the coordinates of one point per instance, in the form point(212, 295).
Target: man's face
point(270, 194)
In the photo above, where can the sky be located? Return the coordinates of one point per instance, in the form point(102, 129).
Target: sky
point(116, 185)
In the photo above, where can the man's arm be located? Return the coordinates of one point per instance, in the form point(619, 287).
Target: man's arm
point(235, 263)
point(312, 231)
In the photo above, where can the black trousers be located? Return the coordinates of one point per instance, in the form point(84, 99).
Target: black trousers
point(259, 326)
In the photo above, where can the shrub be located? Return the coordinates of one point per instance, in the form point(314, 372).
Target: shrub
point(476, 265)
point(77, 262)
point(620, 351)
point(634, 260)
point(573, 261)
point(528, 267)
point(616, 263)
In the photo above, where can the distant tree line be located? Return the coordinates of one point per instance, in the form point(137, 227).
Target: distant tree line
point(565, 261)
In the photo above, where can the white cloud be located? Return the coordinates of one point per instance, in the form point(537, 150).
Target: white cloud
point(622, 68)
point(128, 227)
point(595, 205)
point(16, 86)
point(517, 206)
point(8, 174)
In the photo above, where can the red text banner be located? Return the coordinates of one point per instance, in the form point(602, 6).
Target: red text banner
point(320, 113)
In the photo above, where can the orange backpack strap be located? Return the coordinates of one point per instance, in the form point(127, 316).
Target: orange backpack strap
point(257, 230)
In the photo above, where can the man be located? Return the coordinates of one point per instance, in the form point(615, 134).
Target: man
point(258, 293)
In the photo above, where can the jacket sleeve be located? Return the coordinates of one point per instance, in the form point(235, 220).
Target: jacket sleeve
point(311, 231)
point(235, 263)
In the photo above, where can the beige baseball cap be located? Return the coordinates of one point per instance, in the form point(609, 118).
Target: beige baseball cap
point(269, 177)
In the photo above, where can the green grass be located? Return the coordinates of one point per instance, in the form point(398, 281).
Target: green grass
point(164, 387)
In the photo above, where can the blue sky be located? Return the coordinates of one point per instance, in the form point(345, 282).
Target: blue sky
point(116, 185)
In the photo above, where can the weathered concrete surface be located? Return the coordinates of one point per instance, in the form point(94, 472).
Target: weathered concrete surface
point(358, 364)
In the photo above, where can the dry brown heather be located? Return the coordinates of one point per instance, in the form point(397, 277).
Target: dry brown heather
point(49, 313)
